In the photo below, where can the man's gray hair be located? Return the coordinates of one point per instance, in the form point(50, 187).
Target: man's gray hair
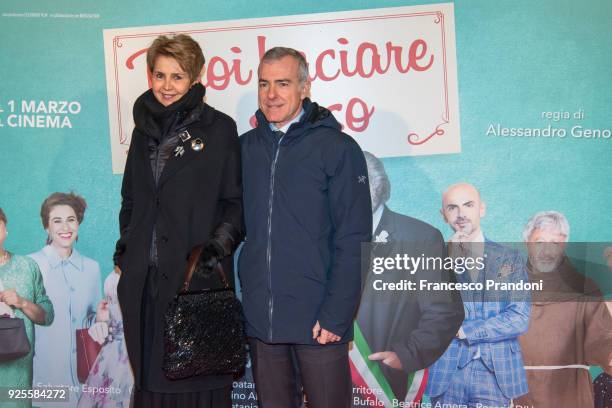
point(552, 220)
point(378, 176)
point(276, 53)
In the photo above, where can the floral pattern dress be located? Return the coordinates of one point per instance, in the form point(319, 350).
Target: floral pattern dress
point(22, 274)
point(110, 380)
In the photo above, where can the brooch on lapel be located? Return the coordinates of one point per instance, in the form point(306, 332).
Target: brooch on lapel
point(179, 151)
point(197, 145)
point(184, 136)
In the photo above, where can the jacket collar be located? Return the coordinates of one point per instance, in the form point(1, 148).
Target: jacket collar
point(286, 127)
point(75, 259)
point(204, 113)
point(314, 116)
point(154, 119)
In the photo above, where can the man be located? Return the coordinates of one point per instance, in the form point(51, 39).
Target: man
point(405, 332)
point(482, 367)
point(307, 210)
point(570, 327)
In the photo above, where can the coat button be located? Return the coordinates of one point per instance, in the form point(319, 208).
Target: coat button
point(164, 239)
point(157, 201)
point(164, 276)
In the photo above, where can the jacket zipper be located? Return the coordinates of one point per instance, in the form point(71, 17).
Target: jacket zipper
point(269, 250)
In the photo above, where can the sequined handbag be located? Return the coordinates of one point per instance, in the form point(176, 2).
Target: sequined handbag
point(204, 329)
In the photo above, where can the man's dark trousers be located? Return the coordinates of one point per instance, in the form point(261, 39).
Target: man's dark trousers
point(324, 374)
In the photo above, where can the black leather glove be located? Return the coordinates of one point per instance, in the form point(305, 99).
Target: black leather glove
point(211, 254)
point(225, 240)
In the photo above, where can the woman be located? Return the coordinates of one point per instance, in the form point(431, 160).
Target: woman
point(111, 369)
point(73, 284)
point(22, 295)
point(181, 188)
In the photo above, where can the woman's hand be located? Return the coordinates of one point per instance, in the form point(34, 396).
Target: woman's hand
point(11, 298)
point(102, 312)
point(211, 254)
point(33, 312)
point(99, 332)
point(6, 310)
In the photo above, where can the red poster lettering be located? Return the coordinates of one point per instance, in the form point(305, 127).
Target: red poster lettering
point(329, 65)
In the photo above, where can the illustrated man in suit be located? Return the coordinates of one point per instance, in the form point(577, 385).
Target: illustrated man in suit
point(483, 366)
point(404, 332)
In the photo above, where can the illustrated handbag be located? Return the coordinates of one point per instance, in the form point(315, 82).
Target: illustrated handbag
point(204, 329)
point(87, 352)
point(13, 339)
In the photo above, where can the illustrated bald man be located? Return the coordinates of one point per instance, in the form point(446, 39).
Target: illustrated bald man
point(483, 366)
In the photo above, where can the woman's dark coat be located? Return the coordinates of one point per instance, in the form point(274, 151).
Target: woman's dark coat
point(196, 193)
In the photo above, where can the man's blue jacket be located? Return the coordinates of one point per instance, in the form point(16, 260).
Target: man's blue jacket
point(307, 210)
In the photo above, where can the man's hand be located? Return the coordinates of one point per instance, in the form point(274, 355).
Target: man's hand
point(323, 336)
point(389, 358)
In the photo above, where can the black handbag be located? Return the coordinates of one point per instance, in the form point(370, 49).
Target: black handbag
point(13, 338)
point(204, 329)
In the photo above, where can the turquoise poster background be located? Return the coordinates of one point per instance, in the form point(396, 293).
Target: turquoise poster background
point(517, 60)
point(522, 65)
point(518, 63)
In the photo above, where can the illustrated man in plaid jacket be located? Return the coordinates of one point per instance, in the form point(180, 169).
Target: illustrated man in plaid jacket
point(483, 365)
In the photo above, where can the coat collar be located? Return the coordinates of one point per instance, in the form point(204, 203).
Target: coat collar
point(313, 116)
point(75, 259)
point(205, 114)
